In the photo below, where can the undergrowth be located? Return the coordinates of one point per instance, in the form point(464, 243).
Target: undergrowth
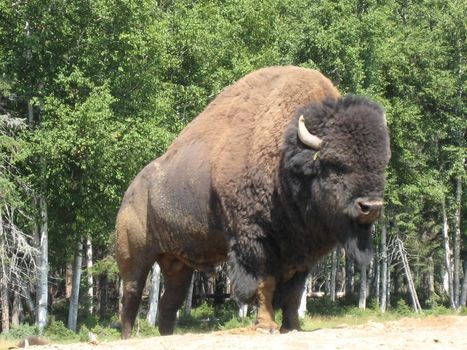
point(321, 313)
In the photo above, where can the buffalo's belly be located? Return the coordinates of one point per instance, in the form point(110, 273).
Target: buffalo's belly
point(187, 239)
point(180, 220)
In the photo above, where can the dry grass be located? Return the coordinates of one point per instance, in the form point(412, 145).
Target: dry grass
point(5, 344)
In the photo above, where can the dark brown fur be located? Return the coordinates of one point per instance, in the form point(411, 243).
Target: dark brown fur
point(31, 341)
point(238, 185)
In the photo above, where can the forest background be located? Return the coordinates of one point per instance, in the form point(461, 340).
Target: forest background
point(91, 91)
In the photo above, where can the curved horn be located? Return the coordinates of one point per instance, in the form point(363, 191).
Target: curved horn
point(306, 137)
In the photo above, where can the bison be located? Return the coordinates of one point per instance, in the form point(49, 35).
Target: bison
point(270, 177)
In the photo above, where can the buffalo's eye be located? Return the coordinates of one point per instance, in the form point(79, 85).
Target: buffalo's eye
point(364, 208)
point(337, 168)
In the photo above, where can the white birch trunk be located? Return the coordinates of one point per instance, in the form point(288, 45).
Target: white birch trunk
point(377, 264)
point(384, 268)
point(370, 276)
point(332, 285)
point(120, 297)
point(68, 279)
point(74, 300)
point(408, 275)
point(389, 284)
point(457, 242)
point(16, 309)
point(302, 307)
point(363, 288)
point(189, 298)
point(4, 307)
point(89, 274)
point(243, 310)
point(154, 294)
point(42, 293)
point(447, 256)
point(463, 298)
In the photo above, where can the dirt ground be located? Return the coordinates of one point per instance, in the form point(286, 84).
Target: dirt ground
point(442, 332)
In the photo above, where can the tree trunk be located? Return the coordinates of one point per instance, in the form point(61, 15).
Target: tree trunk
point(154, 294)
point(68, 279)
point(349, 278)
point(457, 242)
point(463, 298)
point(370, 278)
point(120, 297)
point(74, 300)
point(388, 292)
point(384, 268)
point(302, 307)
point(408, 275)
point(16, 309)
point(428, 280)
point(28, 301)
point(377, 279)
point(243, 310)
point(102, 297)
point(332, 284)
point(4, 306)
point(363, 288)
point(447, 256)
point(89, 274)
point(42, 291)
point(189, 299)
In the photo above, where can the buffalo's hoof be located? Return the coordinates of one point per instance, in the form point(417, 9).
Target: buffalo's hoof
point(288, 330)
point(267, 328)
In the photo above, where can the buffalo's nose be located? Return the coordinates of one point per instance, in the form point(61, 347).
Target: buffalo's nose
point(368, 210)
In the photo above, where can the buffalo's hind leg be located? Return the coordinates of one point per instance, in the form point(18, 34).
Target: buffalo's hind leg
point(133, 285)
point(177, 279)
point(135, 257)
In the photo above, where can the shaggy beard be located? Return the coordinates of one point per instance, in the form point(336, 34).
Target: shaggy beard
point(357, 241)
point(243, 283)
point(360, 250)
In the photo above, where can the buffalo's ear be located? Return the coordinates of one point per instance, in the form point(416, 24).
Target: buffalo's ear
point(304, 162)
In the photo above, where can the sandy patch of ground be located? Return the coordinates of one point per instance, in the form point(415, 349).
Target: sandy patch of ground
point(442, 332)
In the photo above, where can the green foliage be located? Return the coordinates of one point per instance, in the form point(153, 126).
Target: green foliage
point(434, 301)
point(402, 308)
point(201, 319)
point(439, 310)
point(112, 83)
point(88, 320)
point(236, 322)
point(203, 312)
point(324, 307)
point(56, 331)
point(143, 328)
point(206, 318)
point(106, 332)
point(59, 311)
point(107, 266)
point(20, 332)
point(83, 334)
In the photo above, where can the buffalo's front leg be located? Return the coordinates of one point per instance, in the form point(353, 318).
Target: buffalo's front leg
point(291, 295)
point(265, 317)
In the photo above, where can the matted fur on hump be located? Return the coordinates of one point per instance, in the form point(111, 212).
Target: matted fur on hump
point(249, 119)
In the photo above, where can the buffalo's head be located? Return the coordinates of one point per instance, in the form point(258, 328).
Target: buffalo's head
point(347, 144)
